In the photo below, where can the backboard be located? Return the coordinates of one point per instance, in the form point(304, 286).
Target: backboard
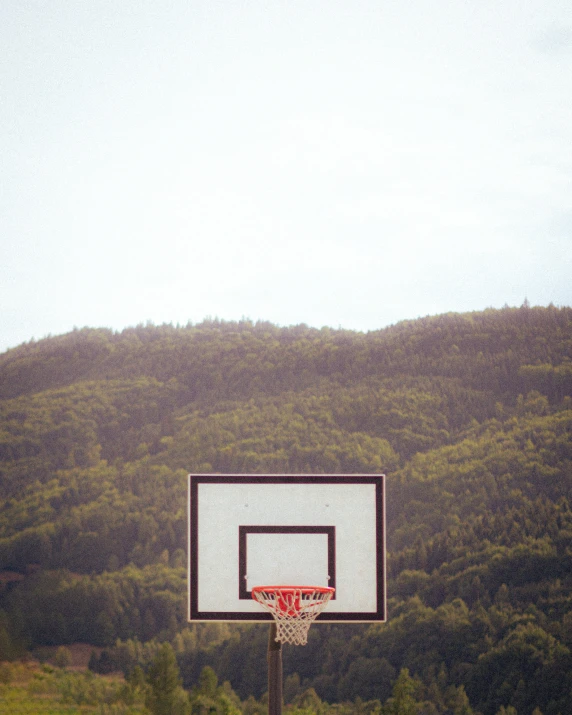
point(305, 530)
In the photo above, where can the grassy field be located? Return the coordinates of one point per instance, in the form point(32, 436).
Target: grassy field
point(16, 700)
point(30, 687)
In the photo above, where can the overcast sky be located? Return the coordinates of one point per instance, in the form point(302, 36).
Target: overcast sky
point(348, 163)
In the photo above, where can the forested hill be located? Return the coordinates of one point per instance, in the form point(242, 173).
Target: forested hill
point(469, 415)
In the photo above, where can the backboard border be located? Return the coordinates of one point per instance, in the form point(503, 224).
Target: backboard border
point(380, 615)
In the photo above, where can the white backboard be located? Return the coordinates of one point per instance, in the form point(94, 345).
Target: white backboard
point(302, 530)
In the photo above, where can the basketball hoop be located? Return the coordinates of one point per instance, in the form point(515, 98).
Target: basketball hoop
point(294, 608)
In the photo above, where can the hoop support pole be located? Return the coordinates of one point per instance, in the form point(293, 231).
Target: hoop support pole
point(274, 659)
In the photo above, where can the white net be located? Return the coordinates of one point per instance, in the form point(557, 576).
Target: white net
point(294, 608)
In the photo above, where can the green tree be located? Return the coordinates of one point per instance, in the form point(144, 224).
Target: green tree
point(208, 697)
point(165, 695)
point(402, 701)
point(208, 682)
point(457, 700)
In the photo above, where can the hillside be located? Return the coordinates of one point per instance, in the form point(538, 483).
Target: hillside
point(469, 415)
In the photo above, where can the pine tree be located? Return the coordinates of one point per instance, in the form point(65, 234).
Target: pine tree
point(164, 696)
point(402, 701)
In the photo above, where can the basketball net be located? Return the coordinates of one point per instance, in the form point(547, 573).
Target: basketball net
point(294, 608)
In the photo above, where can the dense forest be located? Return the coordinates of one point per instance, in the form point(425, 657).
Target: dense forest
point(468, 415)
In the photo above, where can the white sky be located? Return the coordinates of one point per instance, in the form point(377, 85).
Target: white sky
point(334, 162)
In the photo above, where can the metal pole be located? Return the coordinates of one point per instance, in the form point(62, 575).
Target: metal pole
point(274, 673)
